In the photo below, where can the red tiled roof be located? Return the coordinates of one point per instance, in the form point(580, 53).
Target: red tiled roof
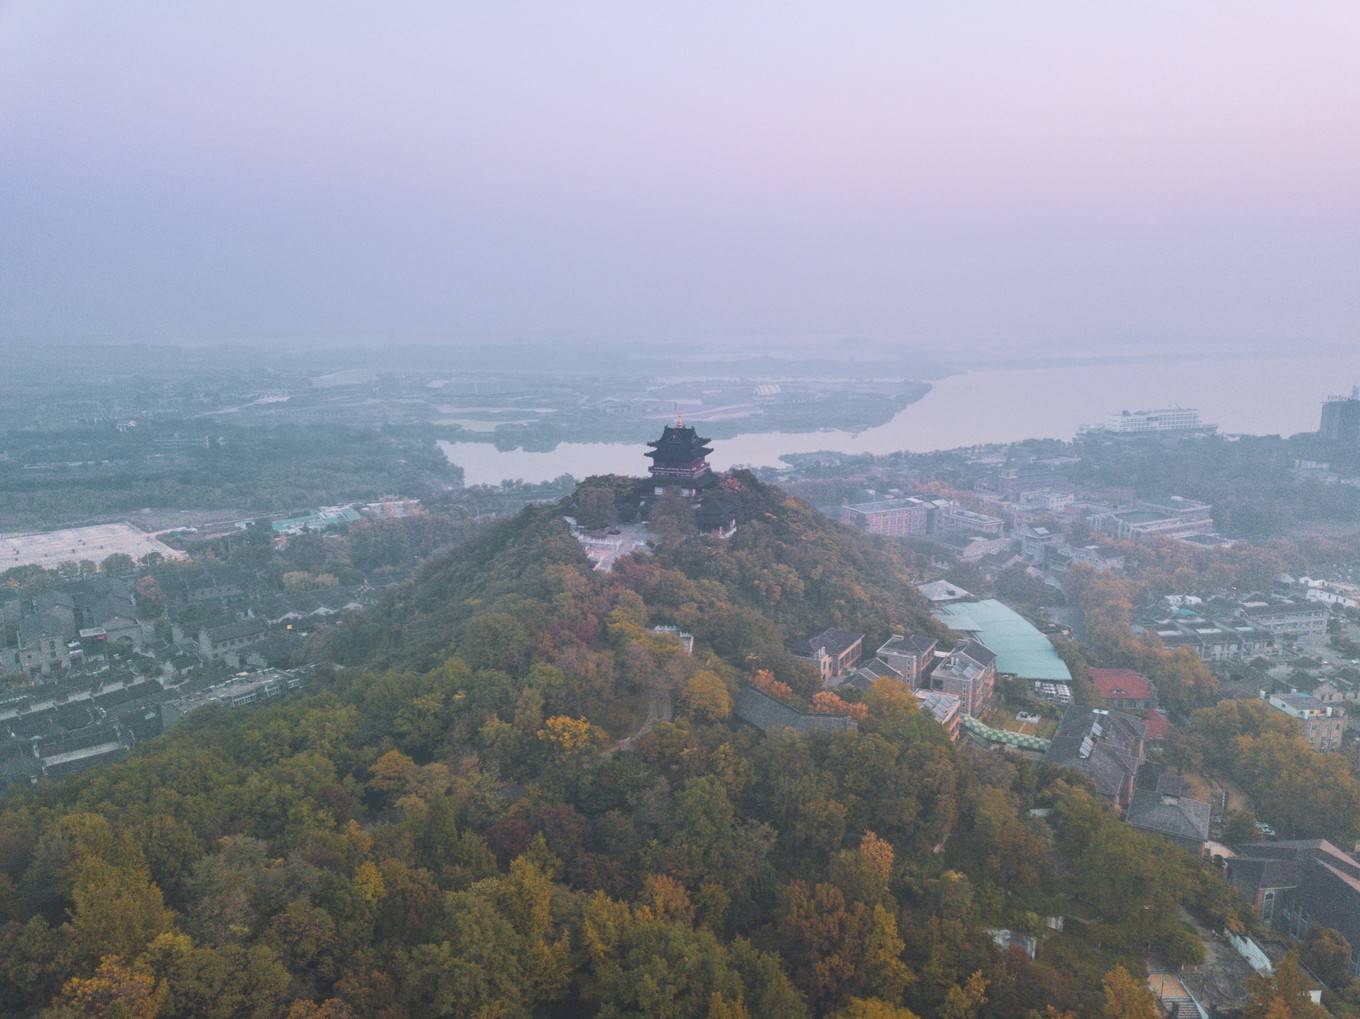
point(1121, 684)
point(1157, 724)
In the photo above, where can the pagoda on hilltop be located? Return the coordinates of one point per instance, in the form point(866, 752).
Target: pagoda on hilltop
point(680, 460)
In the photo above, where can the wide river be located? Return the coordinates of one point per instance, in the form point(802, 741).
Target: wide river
point(1263, 396)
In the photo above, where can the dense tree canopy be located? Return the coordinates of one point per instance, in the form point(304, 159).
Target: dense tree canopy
point(1306, 794)
point(480, 810)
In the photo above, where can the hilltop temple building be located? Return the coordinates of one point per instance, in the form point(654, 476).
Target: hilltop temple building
point(680, 461)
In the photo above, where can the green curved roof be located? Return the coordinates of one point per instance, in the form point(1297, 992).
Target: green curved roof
point(1013, 739)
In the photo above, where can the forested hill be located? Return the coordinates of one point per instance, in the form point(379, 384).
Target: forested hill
point(516, 800)
point(787, 572)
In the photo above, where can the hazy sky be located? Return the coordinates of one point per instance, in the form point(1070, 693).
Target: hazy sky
point(1106, 176)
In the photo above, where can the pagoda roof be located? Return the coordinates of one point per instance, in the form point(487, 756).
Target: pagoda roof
point(679, 442)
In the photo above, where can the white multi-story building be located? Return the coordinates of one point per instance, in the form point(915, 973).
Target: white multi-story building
point(1331, 592)
point(1169, 419)
point(1323, 723)
point(1047, 500)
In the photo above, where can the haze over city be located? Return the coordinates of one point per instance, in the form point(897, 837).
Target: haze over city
point(724, 511)
point(1037, 178)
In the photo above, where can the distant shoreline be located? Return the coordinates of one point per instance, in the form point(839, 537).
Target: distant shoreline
point(848, 412)
point(1244, 395)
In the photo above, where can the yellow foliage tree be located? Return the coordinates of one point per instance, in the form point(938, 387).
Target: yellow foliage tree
point(570, 736)
point(877, 854)
point(873, 1008)
point(888, 695)
point(965, 1000)
point(331, 1008)
point(116, 991)
point(368, 880)
point(118, 911)
point(724, 1008)
point(1127, 997)
point(393, 772)
point(706, 696)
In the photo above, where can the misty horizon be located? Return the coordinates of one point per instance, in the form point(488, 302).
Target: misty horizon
point(744, 511)
point(1037, 182)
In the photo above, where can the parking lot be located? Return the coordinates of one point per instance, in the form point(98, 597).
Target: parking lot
point(96, 543)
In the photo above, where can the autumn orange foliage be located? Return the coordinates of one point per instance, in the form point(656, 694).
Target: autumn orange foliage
point(827, 703)
point(763, 679)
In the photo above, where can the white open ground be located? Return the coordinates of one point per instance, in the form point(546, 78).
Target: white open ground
point(95, 543)
point(604, 549)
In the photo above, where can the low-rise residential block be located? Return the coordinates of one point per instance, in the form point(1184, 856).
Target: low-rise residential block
point(1170, 517)
point(911, 655)
point(1286, 617)
point(835, 652)
point(1323, 723)
point(968, 671)
point(1215, 640)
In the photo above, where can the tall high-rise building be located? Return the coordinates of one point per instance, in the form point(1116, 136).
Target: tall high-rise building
point(1341, 418)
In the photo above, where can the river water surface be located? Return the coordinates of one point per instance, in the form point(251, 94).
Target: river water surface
point(1276, 395)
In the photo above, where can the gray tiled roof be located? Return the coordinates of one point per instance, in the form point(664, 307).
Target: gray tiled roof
point(834, 640)
point(1254, 874)
point(1169, 815)
point(768, 714)
point(230, 631)
point(880, 669)
point(871, 672)
point(18, 764)
point(1324, 880)
point(976, 650)
point(1109, 757)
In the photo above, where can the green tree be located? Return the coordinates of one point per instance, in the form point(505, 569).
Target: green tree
point(35, 960)
point(1282, 995)
point(672, 518)
point(495, 640)
point(1240, 826)
point(1328, 954)
point(595, 507)
point(216, 983)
